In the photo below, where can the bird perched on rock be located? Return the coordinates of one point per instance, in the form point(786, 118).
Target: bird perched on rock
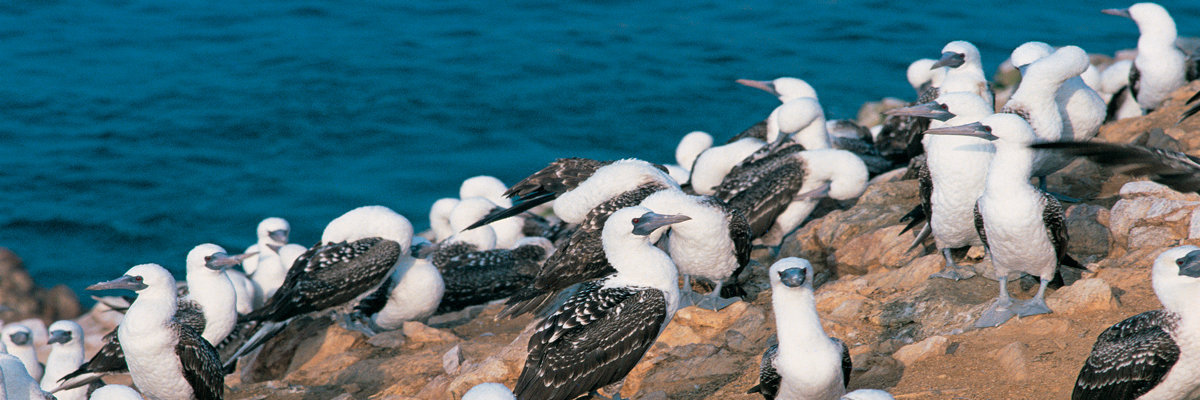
point(597, 336)
point(167, 360)
point(1160, 67)
point(1155, 354)
point(806, 363)
point(66, 354)
point(266, 265)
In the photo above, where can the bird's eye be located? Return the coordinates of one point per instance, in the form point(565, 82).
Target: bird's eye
point(637, 220)
point(207, 258)
point(137, 278)
point(987, 129)
point(1179, 262)
point(943, 106)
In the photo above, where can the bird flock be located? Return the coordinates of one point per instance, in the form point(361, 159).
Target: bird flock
point(603, 253)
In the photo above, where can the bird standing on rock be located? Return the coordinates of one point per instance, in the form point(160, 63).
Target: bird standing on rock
point(807, 363)
point(601, 332)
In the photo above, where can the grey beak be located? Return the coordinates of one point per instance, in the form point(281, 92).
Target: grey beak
point(59, 337)
point(973, 129)
point(650, 221)
point(280, 236)
point(126, 282)
point(931, 110)
point(217, 261)
point(19, 338)
point(1120, 12)
point(766, 86)
point(793, 277)
point(819, 192)
point(949, 59)
point(1189, 265)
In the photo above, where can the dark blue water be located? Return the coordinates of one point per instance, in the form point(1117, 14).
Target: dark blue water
point(131, 131)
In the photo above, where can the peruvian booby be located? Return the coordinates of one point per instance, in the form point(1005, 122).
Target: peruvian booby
point(208, 308)
point(1160, 67)
point(689, 147)
point(470, 209)
point(713, 164)
point(66, 354)
point(489, 391)
point(167, 360)
point(468, 240)
point(899, 136)
point(806, 363)
point(482, 276)
point(115, 392)
point(1045, 99)
point(1155, 354)
point(15, 382)
point(560, 177)
point(714, 244)
point(18, 340)
point(965, 73)
point(601, 332)
point(439, 218)
point(266, 266)
point(356, 254)
point(1114, 85)
point(411, 293)
point(1022, 228)
point(953, 175)
point(588, 202)
point(778, 190)
point(1177, 170)
point(785, 89)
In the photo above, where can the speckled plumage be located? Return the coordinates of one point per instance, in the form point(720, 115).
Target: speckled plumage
point(480, 277)
point(1129, 358)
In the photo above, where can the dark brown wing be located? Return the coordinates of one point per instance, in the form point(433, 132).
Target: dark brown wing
point(1129, 358)
point(201, 365)
point(1135, 80)
point(764, 201)
point(768, 377)
point(1177, 170)
point(757, 131)
point(847, 363)
point(979, 226)
point(592, 341)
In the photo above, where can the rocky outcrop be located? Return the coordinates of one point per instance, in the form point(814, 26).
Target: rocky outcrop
point(22, 299)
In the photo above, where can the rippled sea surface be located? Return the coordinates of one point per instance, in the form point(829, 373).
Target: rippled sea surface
point(131, 131)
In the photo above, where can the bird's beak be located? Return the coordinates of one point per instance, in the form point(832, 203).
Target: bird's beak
point(766, 86)
point(19, 338)
point(973, 129)
point(949, 59)
point(280, 236)
point(1120, 12)
point(1189, 265)
point(217, 261)
point(59, 337)
point(124, 282)
point(931, 110)
point(819, 192)
point(650, 221)
point(792, 277)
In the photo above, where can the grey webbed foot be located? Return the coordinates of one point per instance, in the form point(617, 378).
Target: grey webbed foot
point(358, 322)
point(954, 273)
point(998, 313)
point(713, 301)
point(1031, 307)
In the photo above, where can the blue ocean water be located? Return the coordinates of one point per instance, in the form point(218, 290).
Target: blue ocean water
point(132, 130)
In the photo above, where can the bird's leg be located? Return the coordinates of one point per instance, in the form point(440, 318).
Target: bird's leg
point(714, 301)
point(356, 321)
point(1000, 310)
point(687, 296)
point(1036, 305)
point(952, 270)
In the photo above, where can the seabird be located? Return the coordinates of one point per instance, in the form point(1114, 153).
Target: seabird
point(778, 190)
point(1177, 170)
point(925, 78)
point(208, 308)
point(1022, 228)
point(899, 137)
point(1155, 354)
point(785, 89)
point(439, 218)
point(1160, 67)
point(690, 147)
point(713, 164)
point(1048, 100)
point(18, 340)
point(470, 209)
point(806, 363)
point(411, 293)
point(15, 382)
point(601, 332)
point(356, 254)
point(952, 177)
point(965, 73)
point(66, 354)
point(489, 391)
point(115, 392)
point(167, 360)
point(587, 202)
point(801, 106)
point(1114, 82)
point(488, 187)
point(267, 267)
point(714, 244)
point(468, 240)
point(482, 276)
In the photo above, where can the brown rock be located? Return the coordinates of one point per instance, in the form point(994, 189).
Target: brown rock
point(1014, 360)
point(1089, 236)
point(1085, 294)
point(24, 299)
point(418, 332)
point(930, 347)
